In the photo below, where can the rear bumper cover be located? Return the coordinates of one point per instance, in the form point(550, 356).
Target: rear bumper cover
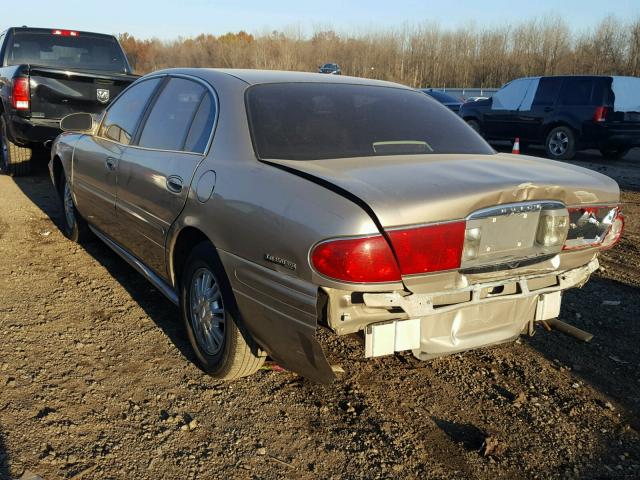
point(27, 131)
point(495, 312)
point(612, 136)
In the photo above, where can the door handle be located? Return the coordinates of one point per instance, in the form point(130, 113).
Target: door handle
point(110, 163)
point(548, 109)
point(174, 184)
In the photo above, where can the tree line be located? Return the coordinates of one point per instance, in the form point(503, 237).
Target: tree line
point(416, 55)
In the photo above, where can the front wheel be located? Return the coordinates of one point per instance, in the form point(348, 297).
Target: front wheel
point(612, 153)
point(561, 143)
point(222, 345)
point(75, 227)
point(475, 125)
point(14, 159)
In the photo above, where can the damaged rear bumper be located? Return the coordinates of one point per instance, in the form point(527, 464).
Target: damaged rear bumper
point(441, 323)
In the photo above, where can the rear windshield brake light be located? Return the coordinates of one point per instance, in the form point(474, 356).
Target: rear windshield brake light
point(65, 33)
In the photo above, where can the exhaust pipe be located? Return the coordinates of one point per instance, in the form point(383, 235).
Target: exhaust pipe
point(47, 144)
point(568, 329)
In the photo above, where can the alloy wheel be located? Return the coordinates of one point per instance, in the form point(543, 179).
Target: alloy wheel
point(559, 143)
point(69, 209)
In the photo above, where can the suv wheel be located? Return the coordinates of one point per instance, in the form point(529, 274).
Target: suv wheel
point(612, 153)
point(75, 228)
point(222, 345)
point(561, 143)
point(14, 160)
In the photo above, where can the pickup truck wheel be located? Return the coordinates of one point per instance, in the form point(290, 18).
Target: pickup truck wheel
point(14, 159)
point(222, 345)
point(75, 228)
point(614, 153)
point(561, 143)
point(475, 125)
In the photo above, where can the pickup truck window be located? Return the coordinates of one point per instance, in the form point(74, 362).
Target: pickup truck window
point(85, 51)
point(122, 118)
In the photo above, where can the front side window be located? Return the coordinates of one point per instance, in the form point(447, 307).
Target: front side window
point(511, 96)
point(313, 121)
point(172, 114)
point(124, 114)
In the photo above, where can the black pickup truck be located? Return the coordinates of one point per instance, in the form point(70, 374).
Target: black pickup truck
point(46, 74)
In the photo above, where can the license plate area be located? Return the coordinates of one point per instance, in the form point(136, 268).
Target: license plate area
point(507, 233)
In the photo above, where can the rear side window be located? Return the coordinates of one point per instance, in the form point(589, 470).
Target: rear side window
point(82, 51)
point(124, 114)
point(313, 121)
point(548, 90)
point(170, 119)
point(200, 130)
point(577, 91)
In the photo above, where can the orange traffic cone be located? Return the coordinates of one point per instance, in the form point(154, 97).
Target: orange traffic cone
point(516, 146)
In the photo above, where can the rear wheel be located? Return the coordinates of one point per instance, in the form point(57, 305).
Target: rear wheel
point(222, 345)
point(14, 159)
point(614, 153)
point(561, 143)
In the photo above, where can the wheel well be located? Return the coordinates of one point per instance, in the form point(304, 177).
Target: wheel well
point(188, 238)
point(553, 125)
point(58, 170)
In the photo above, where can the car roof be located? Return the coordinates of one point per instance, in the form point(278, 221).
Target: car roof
point(257, 77)
point(49, 30)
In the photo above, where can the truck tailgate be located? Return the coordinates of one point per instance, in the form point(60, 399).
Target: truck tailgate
point(56, 93)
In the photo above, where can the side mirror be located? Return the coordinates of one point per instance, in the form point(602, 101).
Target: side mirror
point(77, 122)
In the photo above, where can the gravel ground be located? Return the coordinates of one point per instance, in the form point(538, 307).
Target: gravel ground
point(97, 380)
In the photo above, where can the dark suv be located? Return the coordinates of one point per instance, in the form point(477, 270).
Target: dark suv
point(564, 113)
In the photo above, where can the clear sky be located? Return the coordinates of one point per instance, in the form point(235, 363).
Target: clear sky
point(170, 19)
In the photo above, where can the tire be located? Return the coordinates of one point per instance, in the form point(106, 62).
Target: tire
point(14, 159)
point(475, 125)
point(560, 143)
point(614, 153)
point(227, 351)
point(74, 227)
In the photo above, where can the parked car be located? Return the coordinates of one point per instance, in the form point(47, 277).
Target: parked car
point(330, 68)
point(267, 205)
point(46, 74)
point(563, 113)
point(447, 100)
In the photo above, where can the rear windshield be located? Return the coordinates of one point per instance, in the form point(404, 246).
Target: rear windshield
point(76, 52)
point(313, 121)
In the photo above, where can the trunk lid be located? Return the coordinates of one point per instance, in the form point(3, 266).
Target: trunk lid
point(418, 189)
point(56, 92)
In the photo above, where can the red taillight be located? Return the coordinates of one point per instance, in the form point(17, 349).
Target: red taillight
point(65, 33)
point(20, 94)
point(600, 115)
point(432, 248)
point(359, 260)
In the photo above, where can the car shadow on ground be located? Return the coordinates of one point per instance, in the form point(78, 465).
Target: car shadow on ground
point(4, 459)
point(611, 361)
point(40, 191)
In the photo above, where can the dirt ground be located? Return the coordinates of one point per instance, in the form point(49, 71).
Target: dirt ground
point(97, 380)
